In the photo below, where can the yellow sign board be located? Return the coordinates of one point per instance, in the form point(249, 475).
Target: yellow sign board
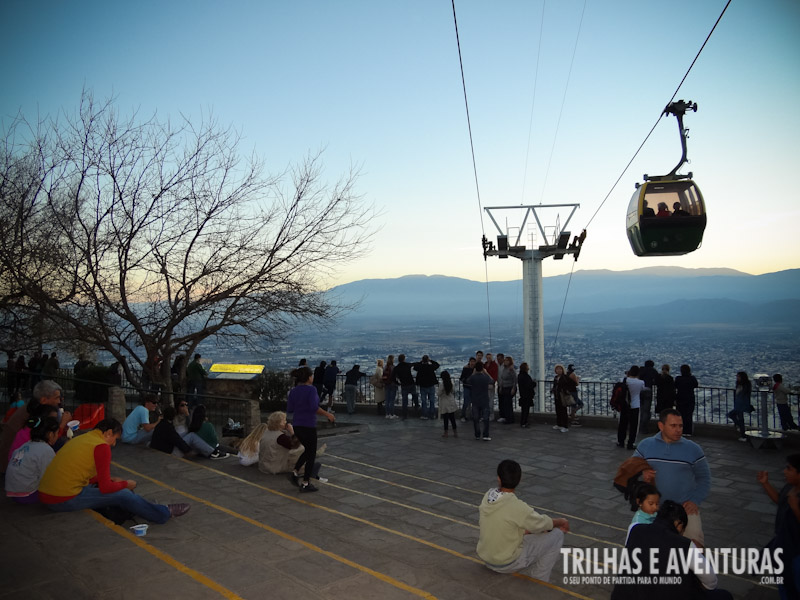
point(223, 368)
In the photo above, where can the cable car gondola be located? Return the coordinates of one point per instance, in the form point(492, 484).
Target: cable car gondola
point(667, 215)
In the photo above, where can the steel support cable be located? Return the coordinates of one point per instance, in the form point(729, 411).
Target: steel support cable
point(533, 104)
point(627, 166)
point(563, 101)
point(563, 306)
point(475, 172)
point(621, 175)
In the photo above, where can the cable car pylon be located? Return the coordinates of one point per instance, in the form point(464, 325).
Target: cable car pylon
point(557, 245)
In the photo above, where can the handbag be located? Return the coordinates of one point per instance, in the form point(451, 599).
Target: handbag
point(567, 399)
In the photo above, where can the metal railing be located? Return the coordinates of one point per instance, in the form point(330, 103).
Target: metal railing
point(712, 404)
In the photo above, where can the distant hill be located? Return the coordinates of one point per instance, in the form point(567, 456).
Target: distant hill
point(673, 293)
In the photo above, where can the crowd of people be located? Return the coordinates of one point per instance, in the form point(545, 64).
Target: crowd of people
point(43, 463)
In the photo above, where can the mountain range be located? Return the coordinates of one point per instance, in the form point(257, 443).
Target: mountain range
point(670, 295)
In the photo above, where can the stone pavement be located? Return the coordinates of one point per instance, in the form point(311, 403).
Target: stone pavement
point(398, 519)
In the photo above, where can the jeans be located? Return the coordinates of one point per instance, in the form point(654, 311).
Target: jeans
point(427, 397)
point(92, 497)
point(505, 405)
point(645, 402)
point(196, 443)
point(628, 423)
point(307, 437)
point(391, 394)
point(478, 413)
point(737, 416)
point(465, 412)
point(350, 398)
point(140, 437)
point(405, 390)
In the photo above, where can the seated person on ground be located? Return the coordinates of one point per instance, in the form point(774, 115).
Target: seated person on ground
point(167, 439)
point(38, 414)
point(279, 449)
point(248, 449)
point(513, 536)
point(137, 428)
point(68, 482)
point(29, 461)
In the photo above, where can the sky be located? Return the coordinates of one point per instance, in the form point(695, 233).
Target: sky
point(561, 94)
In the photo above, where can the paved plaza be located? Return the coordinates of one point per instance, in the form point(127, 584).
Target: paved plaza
point(397, 520)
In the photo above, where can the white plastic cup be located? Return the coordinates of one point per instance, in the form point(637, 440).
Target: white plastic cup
point(74, 424)
point(140, 530)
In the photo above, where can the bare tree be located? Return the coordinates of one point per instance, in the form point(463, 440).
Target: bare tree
point(145, 238)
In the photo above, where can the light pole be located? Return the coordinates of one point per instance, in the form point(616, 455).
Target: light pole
point(556, 240)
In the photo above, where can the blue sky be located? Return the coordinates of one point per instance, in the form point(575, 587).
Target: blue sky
point(377, 84)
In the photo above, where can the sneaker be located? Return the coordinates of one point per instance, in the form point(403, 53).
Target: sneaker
point(388, 416)
point(424, 418)
point(177, 510)
point(501, 420)
point(463, 420)
point(477, 438)
point(307, 488)
point(217, 454)
point(742, 439)
point(322, 479)
point(295, 479)
point(563, 429)
point(556, 427)
point(486, 438)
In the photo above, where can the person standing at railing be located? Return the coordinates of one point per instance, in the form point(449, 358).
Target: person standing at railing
point(195, 380)
point(351, 387)
point(685, 385)
point(329, 383)
point(466, 388)
point(390, 386)
point(741, 403)
point(404, 379)
point(378, 386)
point(426, 380)
point(527, 390)
point(665, 390)
point(648, 375)
point(782, 401)
point(319, 377)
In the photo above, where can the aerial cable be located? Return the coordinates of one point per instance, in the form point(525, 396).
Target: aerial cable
point(533, 103)
point(563, 101)
point(475, 172)
point(627, 166)
point(563, 306)
point(621, 175)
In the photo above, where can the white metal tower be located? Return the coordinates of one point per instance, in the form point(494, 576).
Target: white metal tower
point(556, 240)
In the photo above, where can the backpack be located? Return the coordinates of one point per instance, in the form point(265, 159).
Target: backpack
point(619, 396)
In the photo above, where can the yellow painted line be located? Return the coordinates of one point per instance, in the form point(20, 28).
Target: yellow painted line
point(278, 532)
point(406, 487)
point(163, 556)
point(382, 577)
point(456, 487)
point(437, 515)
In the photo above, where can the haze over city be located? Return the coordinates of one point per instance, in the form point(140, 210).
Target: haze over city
point(560, 97)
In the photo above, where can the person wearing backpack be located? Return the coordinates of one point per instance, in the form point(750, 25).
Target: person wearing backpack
point(629, 415)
